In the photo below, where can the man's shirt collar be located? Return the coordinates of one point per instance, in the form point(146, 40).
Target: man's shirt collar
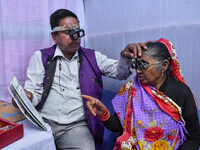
point(59, 53)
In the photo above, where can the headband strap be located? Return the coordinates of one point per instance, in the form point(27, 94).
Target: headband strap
point(66, 27)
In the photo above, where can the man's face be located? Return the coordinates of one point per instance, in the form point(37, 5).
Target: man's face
point(64, 41)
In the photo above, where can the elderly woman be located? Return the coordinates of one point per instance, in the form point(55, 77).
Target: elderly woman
point(156, 110)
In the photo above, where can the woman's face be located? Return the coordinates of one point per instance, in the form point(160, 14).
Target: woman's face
point(150, 75)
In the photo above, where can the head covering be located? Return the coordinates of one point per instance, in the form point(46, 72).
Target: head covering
point(176, 69)
point(150, 119)
point(175, 72)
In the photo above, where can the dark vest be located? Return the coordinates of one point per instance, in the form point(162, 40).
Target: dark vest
point(90, 84)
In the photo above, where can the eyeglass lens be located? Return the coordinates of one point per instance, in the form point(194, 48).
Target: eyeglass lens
point(139, 64)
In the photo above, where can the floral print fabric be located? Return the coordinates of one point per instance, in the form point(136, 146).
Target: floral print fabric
point(151, 120)
point(146, 125)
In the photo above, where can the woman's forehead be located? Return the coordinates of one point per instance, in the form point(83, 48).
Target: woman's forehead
point(146, 57)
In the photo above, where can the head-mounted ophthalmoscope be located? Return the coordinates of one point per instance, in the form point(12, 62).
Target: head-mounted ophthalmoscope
point(74, 30)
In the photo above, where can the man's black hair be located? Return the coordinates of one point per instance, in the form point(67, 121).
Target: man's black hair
point(60, 14)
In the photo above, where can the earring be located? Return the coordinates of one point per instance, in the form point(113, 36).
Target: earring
point(162, 73)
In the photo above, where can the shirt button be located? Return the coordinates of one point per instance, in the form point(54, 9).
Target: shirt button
point(48, 62)
point(48, 78)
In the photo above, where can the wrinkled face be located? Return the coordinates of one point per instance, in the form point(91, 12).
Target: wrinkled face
point(64, 41)
point(150, 75)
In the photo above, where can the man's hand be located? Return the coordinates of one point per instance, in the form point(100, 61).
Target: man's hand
point(28, 94)
point(14, 104)
point(133, 50)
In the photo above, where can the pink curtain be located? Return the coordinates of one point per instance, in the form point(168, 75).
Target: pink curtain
point(25, 28)
point(109, 25)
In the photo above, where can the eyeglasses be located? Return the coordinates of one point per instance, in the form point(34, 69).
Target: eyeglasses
point(141, 65)
point(76, 33)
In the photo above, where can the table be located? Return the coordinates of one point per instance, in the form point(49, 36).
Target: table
point(34, 138)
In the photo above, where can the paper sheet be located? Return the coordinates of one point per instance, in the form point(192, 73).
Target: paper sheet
point(25, 104)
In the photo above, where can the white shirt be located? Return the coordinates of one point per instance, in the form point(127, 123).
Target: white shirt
point(64, 103)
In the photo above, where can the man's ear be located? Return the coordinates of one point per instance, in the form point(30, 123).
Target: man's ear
point(54, 36)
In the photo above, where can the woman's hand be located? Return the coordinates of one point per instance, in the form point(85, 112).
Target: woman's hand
point(95, 106)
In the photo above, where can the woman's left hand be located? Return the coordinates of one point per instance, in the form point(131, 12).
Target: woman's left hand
point(95, 106)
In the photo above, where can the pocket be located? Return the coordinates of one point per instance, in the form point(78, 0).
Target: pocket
point(96, 80)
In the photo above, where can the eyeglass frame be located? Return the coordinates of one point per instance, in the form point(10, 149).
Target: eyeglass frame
point(135, 65)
